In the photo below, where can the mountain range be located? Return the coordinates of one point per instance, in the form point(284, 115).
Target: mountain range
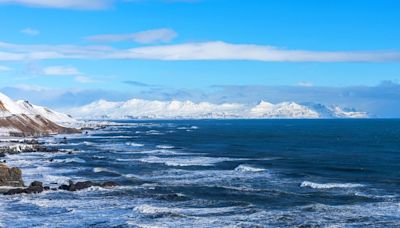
point(147, 109)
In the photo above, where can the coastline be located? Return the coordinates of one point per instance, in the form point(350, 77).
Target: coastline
point(11, 181)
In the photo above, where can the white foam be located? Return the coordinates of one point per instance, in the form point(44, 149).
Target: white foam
point(99, 170)
point(165, 147)
point(70, 160)
point(310, 184)
point(186, 160)
point(134, 144)
point(247, 168)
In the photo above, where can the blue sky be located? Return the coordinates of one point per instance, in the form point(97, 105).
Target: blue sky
point(131, 48)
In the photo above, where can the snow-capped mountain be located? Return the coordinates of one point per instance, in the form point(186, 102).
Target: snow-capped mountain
point(24, 119)
point(146, 109)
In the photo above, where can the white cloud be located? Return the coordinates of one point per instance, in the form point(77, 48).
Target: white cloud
point(62, 4)
point(305, 84)
point(190, 51)
point(145, 37)
point(60, 71)
point(30, 31)
point(5, 68)
point(85, 79)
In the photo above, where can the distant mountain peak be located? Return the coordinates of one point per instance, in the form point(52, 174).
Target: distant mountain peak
point(24, 119)
point(175, 109)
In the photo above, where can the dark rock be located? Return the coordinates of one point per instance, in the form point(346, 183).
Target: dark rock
point(83, 185)
point(10, 176)
point(36, 184)
point(2, 154)
point(108, 184)
point(173, 197)
point(15, 191)
point(64, 187)
point(35, 187)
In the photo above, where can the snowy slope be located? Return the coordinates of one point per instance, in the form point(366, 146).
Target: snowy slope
point(22, 119)
point(146, 109)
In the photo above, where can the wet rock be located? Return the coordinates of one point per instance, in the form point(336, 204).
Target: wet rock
point(108, 184)
point(35, 187)
point(10, 176)
point(173, 197)
point(15, 191)
point(85, 184)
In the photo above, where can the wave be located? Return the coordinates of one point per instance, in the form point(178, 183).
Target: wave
point(164, 147)
point(186, 160)
point(134, 144)
point(104, 170)
point(309, 184)
point(70, 160)
point(246, 168)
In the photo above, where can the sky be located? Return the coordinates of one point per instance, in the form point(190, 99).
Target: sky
point(69, 52)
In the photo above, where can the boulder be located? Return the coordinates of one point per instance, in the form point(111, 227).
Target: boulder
point(108, 184)
point(15, 191)
point(10, 176)
point(35, 187)
point(85, 184)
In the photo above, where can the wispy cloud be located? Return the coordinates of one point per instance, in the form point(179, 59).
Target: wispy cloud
point(85, 79)
point(63, 4)
point(163, 35)
point(5, 68)
point(68, 71)
point(305, 84)
point(30, 31)
point(138, 84)
point(60, 71)
point(220, 51)
point(81, 4)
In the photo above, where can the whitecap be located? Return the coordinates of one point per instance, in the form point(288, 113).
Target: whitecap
point(134, 144)
point(69, 160)
point(314, 185)
point(164, 147)
point(247, 168)
point(186, 160)
point(100, 169)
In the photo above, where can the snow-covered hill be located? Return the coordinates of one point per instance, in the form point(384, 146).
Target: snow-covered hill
point(145, 109)
point(22, 118)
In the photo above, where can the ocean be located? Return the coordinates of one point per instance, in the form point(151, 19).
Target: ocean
point(217, 173)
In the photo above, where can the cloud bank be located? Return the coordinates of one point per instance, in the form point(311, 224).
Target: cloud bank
point(217, 51)
point(163, 35)
point(62, 4)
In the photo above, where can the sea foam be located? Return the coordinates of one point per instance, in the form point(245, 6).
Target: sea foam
point(309, 184)
point(247, 168)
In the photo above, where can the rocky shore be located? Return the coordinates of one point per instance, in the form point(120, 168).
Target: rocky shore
point(11, 181)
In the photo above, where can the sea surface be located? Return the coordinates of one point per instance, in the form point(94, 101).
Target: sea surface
point(217, 173)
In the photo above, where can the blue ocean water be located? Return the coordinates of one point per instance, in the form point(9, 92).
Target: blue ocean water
point(217, 173)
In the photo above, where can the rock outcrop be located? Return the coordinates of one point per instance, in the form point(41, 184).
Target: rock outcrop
point(11, 177)
point(37, 187)
point(85, 184)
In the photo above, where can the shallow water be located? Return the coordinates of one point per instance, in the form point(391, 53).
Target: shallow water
point(209, 173)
